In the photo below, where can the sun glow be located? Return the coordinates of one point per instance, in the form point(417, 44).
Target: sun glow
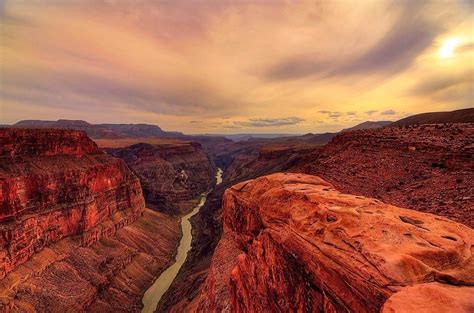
point(448, 47)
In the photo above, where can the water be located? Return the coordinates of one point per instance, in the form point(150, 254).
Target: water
point(153, 295)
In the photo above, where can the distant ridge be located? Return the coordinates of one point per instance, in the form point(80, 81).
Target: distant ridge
point(457, 116)
point(368, 125)
point(103, 131)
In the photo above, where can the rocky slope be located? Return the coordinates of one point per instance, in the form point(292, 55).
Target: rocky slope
point(429, 168)
point(265, 159)
point(293, 243)
point(109, 275)
point(368, 125)
point(66, 235)
point(457, 116)
point(171, 174)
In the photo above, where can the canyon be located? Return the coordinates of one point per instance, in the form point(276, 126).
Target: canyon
point(355, 163)
point(297, 224)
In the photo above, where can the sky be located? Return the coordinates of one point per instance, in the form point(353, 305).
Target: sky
point(234, 66)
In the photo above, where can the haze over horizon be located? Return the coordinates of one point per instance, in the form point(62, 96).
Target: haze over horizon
point(234, 66)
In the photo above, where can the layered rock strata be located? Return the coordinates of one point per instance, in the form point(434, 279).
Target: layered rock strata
point(171, 174)
point(293, 243)
point(74, 232)
point(55, 184)
point(110, 275)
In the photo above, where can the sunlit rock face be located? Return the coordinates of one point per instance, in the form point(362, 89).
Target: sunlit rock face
point(55, 184)
point(171, 174)
point(293, 243)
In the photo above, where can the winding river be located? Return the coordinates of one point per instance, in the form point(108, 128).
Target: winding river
point(153, 295)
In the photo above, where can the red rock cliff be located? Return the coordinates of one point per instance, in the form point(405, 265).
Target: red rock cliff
point(54, 184)
point(293, 243)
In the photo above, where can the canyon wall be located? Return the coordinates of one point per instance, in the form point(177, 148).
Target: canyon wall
point(74, 231)
point(293, 243)
point(429, 168)
point(110, 275)
point(56, 183)
point(171, 175)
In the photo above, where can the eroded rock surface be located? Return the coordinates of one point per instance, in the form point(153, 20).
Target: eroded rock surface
point(110, 275)
point(304, 246)
point(171, 174)
point(56, 183)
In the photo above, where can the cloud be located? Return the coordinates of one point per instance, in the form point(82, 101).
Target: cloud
point(433, 85)
point(456, 88)
point(270, 122)
point(337, 114)
point(408, 36)
point(466, 47)
point(388, 112)
point(172, 62)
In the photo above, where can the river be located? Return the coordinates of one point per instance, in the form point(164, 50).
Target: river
point(153, 295)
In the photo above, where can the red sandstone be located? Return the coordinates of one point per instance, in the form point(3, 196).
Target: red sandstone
point(293, 243)
point(67, 242)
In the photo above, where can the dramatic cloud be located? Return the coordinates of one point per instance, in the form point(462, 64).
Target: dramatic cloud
point(407, 36)
point(270, 122)
point(218, 65)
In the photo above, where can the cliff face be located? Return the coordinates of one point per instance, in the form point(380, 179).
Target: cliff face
point(74, 231)
point(171, 174)
point(429, 168)
point(266, 159)
point(110, 275)
point(54, 184)
point(293, 243)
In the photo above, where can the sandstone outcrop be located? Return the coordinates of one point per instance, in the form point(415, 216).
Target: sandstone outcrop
point(171, 175)
point(54, 184)
point(429, 168)
point(293, 243)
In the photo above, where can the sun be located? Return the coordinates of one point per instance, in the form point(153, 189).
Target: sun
point(447, 48)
